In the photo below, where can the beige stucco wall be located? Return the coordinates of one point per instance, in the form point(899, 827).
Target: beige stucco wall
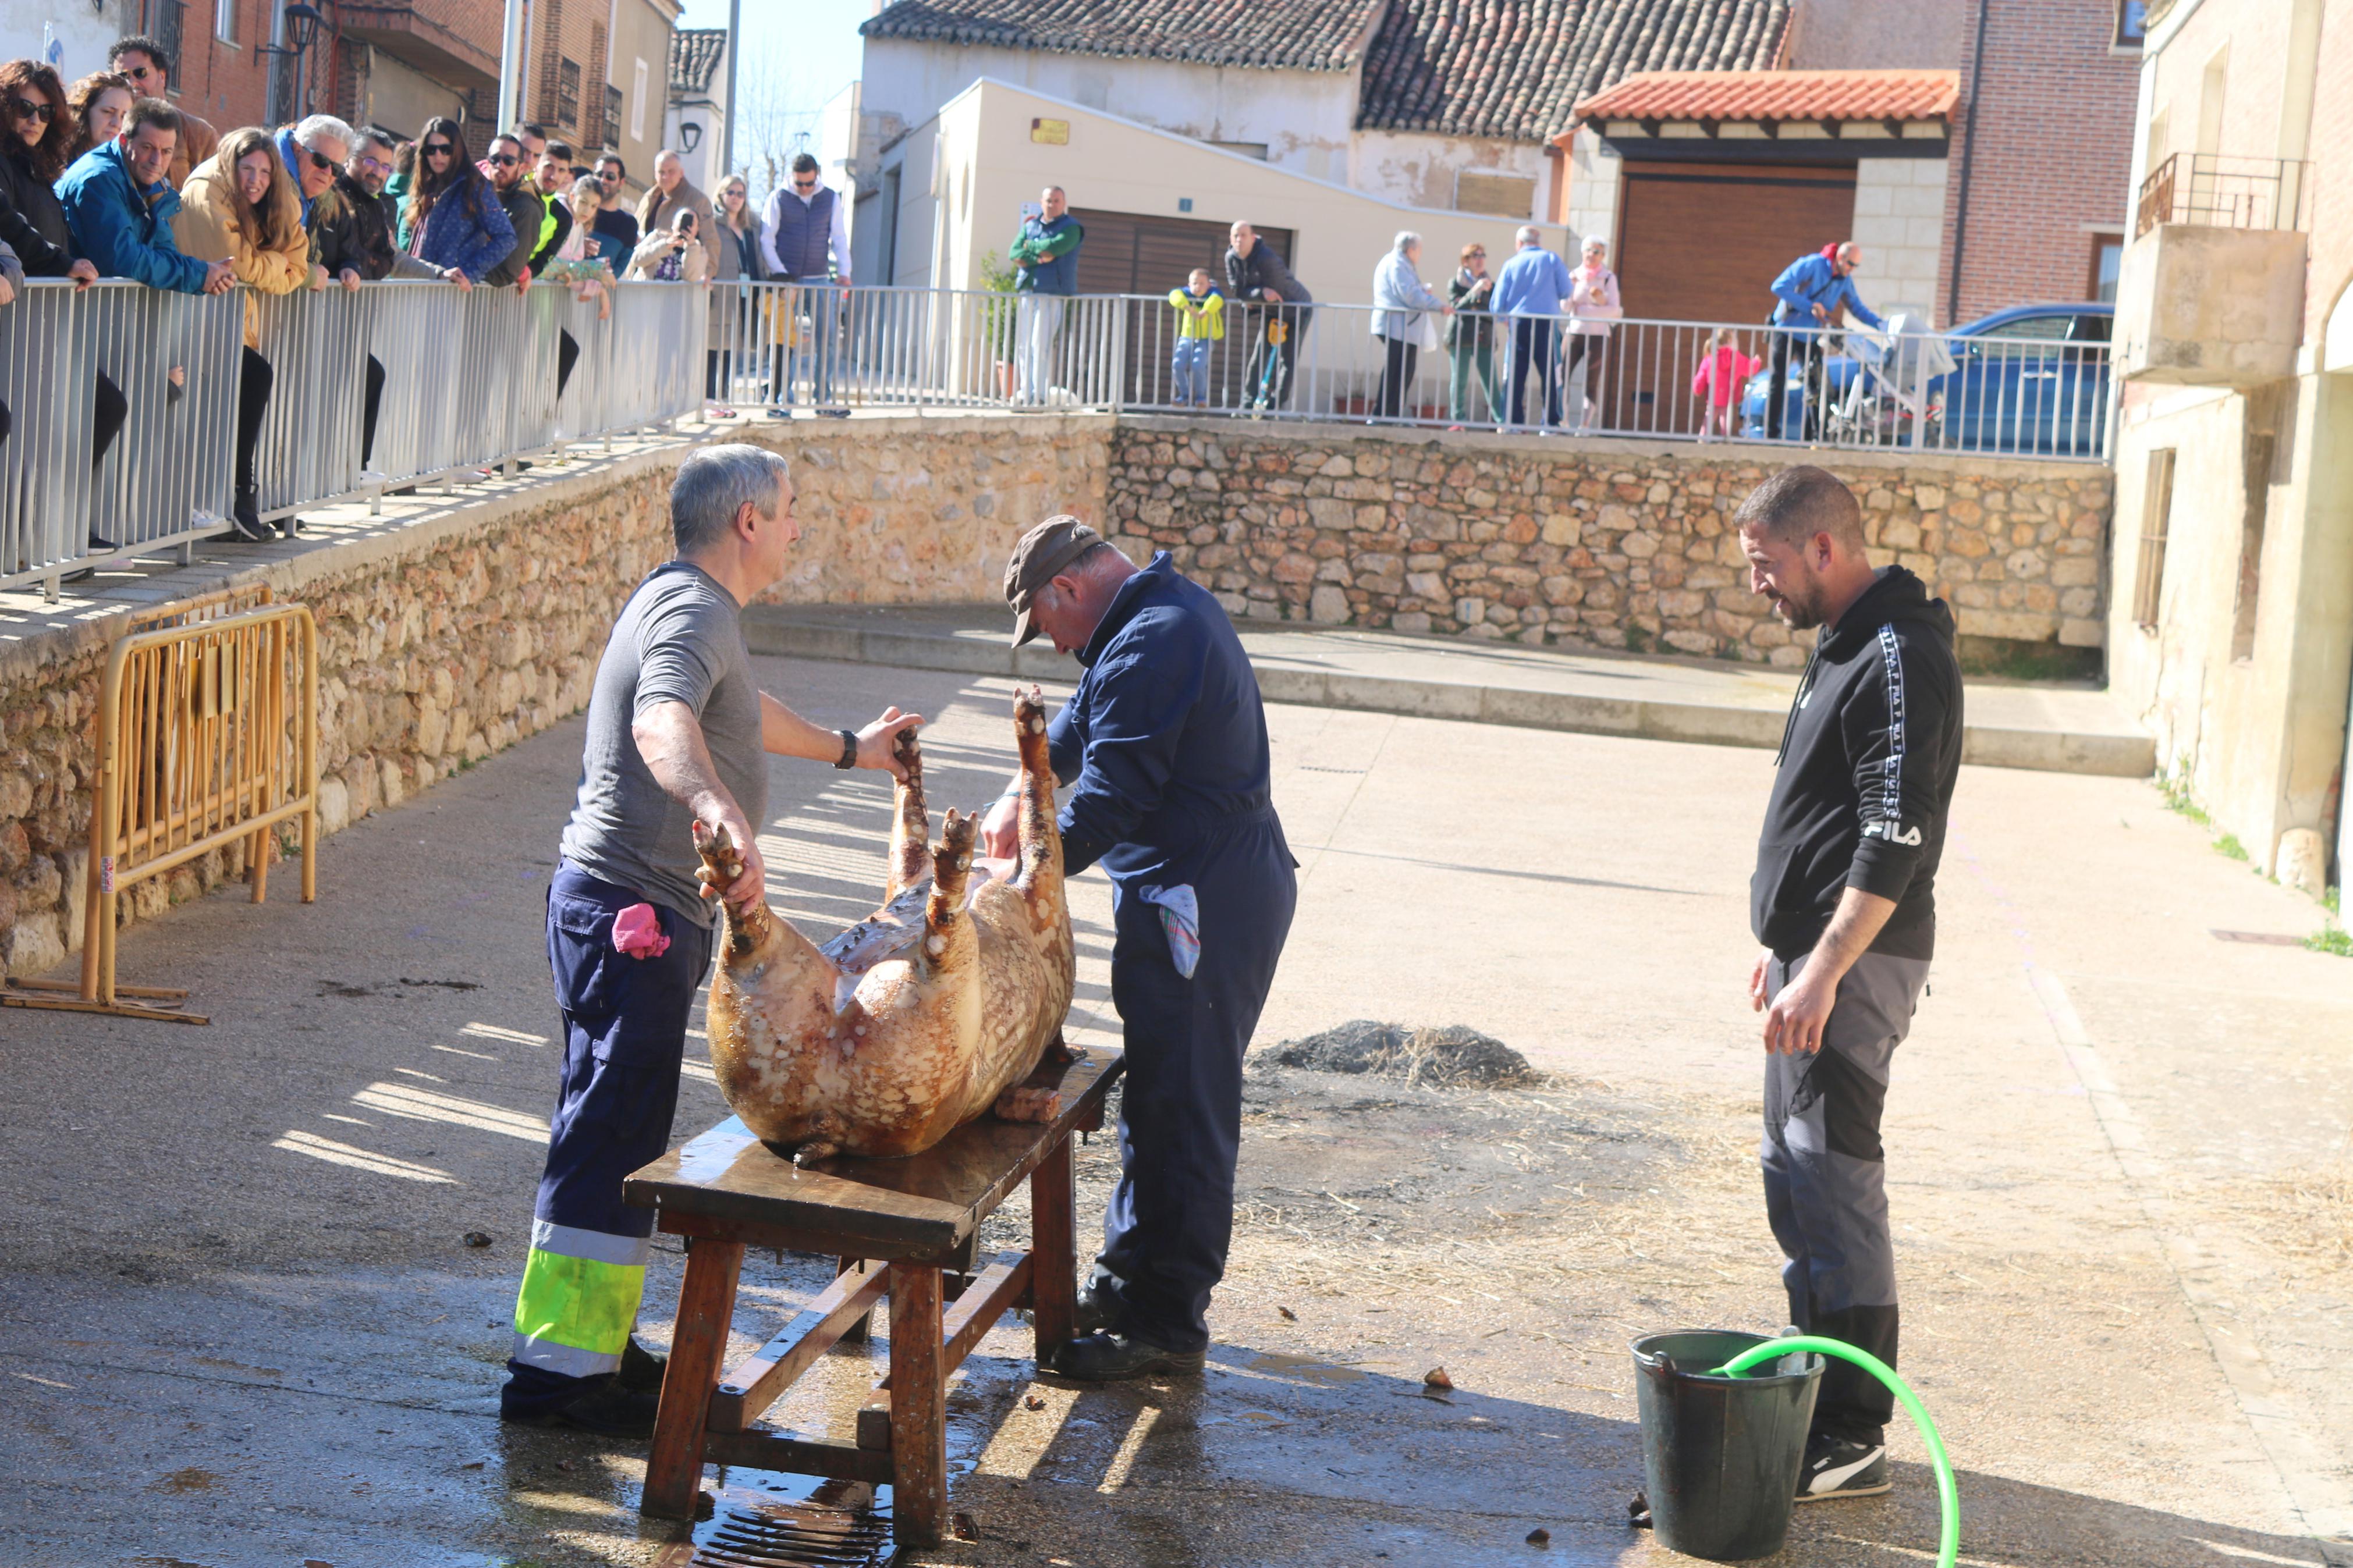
point(1420, 169)
point(641, 30)
point(1899, 221)
point(2259, 740)
point(986, 166)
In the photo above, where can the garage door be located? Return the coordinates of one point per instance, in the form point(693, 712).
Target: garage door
point(1129, 253)
point(1702, 242)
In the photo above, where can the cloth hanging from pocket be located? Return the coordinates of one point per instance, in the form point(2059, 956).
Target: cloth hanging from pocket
point(637, 932)
point(1180, 918)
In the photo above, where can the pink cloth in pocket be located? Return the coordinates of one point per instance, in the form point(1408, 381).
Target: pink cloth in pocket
point(637, 931)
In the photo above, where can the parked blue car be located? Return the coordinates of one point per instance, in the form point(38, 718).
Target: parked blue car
point(2034, 378)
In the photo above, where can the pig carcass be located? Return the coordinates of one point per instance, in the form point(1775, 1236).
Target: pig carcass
point(914, 1021)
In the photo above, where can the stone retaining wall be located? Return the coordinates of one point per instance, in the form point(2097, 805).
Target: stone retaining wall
point(450, 638)
point(1584, 543)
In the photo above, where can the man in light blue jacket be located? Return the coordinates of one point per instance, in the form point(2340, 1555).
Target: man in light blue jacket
point(1808, 298)
point(120, 207)
point(1531, 290)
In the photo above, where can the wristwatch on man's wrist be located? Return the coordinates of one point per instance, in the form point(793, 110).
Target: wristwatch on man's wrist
point(849, 751)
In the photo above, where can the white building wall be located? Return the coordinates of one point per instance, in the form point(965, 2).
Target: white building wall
point(1593, 175)
point(1899, 221)
point(1304, 118)
point(79, 32)
point(1419, 169)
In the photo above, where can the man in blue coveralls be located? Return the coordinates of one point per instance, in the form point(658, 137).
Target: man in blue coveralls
point(1162, 749)
point(1807, 300)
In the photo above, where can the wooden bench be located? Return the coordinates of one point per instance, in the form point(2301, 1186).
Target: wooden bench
point(915, 1218)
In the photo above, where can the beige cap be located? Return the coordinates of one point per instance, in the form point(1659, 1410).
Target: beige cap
point(1045, 550)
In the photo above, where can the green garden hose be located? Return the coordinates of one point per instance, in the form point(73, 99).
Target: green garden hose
point(1949, 1496)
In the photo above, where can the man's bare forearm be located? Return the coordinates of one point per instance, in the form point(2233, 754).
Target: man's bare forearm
point(1853, 928)
point(786, 734)
point(669, 738)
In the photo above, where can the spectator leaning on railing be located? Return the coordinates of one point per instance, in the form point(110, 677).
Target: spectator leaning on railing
point(1402, 304)
point(526, 214)
point(12, 283)
point(671, 194)
point(452, 219)
point(1471, 335)
point(1807, 300)
point(1262, 288)
point(551, 177)
point(118, 210)
point(1531, 289)
point(617, 231)
point(100, 102)
point(577, 264)
point(1045, 274)
point(804, 239)
point(242, 208)
point(147, 66)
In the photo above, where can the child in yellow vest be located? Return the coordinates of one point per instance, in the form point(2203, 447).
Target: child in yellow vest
point(1200, 320)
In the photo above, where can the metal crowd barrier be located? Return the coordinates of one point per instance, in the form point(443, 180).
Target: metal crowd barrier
point(1907, 388)
point(468, 382)
point(207, 734)
point(166, 366)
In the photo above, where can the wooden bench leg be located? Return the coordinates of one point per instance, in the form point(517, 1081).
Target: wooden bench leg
point(857, 1331)
point(1053, 1225)
point(706, 1304)
point(919, 1434)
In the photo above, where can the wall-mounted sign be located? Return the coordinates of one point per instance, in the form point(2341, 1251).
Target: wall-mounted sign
point(1054, 133)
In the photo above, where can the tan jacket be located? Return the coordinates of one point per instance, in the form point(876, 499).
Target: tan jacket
point(206, 227)
point(198, 141)
point(654, 212)
point(694, 266)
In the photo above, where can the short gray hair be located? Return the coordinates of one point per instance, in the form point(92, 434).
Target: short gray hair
point(1596, 242)
point(1529, 235)
point(1406, 241)
point(324, 127)
point(712, 485)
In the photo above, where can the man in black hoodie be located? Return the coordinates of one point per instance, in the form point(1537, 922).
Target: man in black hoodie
point(1844, 901)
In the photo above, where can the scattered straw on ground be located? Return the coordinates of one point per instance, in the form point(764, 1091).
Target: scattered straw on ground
point(1449, 1057)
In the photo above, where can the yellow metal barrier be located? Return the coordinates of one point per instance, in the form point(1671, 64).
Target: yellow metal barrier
point(207, 734)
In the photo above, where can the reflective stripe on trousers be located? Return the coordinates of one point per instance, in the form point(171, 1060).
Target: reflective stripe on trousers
point(579, 1298)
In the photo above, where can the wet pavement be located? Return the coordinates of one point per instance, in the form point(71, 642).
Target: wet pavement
point(240, 1322)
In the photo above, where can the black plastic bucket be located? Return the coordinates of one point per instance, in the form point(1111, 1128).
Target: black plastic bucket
point(1720, 1455)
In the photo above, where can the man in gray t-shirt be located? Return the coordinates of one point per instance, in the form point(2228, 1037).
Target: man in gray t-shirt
point(678, 733)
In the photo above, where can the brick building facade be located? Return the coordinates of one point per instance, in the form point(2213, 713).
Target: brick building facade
point(2043, 147)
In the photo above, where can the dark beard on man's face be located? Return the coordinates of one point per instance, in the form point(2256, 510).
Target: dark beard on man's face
point(1799, 605)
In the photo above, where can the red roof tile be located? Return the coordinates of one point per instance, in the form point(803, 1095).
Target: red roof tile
point(1769, 95)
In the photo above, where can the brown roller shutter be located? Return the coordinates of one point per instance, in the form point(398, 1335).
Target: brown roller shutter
point(1129, 253)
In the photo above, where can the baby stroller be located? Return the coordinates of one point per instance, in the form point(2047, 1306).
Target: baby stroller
point(1890, 400)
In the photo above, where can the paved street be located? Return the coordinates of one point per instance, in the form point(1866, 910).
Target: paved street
point(240, 1325)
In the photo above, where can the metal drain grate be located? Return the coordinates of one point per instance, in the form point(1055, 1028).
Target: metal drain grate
point(794, 1535)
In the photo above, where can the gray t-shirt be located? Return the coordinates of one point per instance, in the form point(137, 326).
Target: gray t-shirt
point(680, 640)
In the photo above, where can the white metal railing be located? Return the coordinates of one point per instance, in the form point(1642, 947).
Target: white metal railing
point(468, 381)
point(795, 347)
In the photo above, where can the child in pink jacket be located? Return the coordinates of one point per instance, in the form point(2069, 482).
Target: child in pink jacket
point(1717, 382)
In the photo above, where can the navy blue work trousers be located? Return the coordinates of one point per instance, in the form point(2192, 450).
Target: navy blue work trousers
point(1170, 1220)
point(624, 1023)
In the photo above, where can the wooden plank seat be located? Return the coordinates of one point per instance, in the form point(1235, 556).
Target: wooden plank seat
point(897, 1226)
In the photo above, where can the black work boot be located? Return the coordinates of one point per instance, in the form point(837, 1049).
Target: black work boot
point(1094, 1312)
point(1112, 1357)
point(604, 1407)
point(641, 1369)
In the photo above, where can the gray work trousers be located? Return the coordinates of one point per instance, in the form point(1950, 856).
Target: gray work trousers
point(1826, 1181)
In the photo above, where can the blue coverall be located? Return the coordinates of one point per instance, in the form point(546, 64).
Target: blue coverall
point(1166, 738)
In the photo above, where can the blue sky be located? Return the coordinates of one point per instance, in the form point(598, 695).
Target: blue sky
point(810, 47)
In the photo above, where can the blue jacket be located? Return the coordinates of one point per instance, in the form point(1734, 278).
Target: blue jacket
point(291, 155)
point(1166, 735)
point(466, 231)
point(1811, 280)
point(1533, 282)
point(115, 225)
point(1043, 274)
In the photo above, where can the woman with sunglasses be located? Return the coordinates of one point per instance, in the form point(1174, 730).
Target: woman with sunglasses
point(240, 206)
point(452, 219)
point(101, 102)
point(736, 261)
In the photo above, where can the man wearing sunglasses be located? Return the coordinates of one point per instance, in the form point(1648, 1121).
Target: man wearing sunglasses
point(616, 226)
point(505, 166)
point(148, 64)
point(312, 150)
point(805, 239)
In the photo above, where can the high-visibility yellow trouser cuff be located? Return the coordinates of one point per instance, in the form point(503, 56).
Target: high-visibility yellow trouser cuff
point(579, 1298)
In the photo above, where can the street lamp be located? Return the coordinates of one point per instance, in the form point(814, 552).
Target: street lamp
point(303, 22)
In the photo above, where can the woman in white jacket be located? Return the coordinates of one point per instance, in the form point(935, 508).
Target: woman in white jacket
point(1593, 301)
point(1400, 307)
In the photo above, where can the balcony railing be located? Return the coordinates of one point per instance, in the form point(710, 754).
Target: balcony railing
point(2213, 190)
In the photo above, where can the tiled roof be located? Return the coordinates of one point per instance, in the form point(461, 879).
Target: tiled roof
point(1296, 34)
point(1767, 95)
point(1516, 69)
point(694, 55)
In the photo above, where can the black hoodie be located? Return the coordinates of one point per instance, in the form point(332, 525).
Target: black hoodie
point(1867, 767)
